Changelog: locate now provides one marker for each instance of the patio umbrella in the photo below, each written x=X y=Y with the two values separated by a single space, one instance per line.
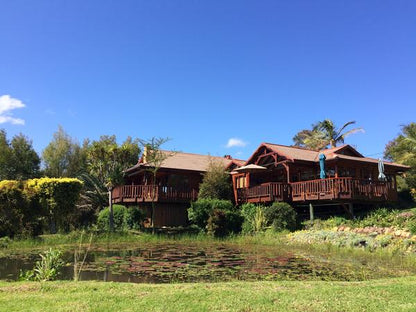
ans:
x=381 y=175
x=322 y=166
x=250 y=168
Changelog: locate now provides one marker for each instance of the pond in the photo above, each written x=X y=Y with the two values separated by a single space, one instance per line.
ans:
x=167 y=263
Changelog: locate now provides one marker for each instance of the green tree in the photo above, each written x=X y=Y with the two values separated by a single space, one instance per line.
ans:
x=216 y=183
x=63 y=157
x=402 y=150
x=107 y=161
x=25 y=160
x=154 y=157
x=324 y=133
x=18 y=159
x=5 y=156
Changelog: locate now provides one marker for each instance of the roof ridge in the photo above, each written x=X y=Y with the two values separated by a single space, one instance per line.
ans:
x=220 y=157
x=293 y=146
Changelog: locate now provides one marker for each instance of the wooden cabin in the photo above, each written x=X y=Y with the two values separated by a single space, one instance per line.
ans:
x=176 y=185
x=292 y=174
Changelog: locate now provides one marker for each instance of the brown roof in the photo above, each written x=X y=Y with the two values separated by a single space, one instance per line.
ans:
x=304 y=154
x=188 y=161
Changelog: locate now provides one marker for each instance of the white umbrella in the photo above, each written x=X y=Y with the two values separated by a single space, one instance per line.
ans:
x=251 y=167
x=381 y=175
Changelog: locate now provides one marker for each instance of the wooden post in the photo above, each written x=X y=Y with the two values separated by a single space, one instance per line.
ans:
x=351 y=210
x=311 y=212
x=110 y=207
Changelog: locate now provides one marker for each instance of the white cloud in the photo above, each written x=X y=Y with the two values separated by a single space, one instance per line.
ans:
x=233 y=142
x=7 y=104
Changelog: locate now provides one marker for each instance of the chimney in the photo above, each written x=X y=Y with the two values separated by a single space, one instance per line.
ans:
x=145 y=151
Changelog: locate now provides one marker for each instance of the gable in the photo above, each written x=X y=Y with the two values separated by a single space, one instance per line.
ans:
x=346 y=150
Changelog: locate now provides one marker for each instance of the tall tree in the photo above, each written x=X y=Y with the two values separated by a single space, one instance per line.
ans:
x=18 y=159
x=324 y=133
x=154 y=157
x=402 y=150
x=63 y=157
x=25 y=160
x=5 y=156
x=107 y=161
x=216 y=183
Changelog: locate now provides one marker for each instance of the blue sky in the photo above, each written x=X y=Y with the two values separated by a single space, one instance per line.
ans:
x=202 y=72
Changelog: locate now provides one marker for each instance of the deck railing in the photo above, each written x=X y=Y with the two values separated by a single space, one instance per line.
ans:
x=272 y=191
x=344 y=188
x=149 y=193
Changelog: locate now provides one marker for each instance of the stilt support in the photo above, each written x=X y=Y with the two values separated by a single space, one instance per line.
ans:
x=311 y=212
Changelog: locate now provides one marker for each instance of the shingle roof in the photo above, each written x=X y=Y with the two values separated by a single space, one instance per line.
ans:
x=188 y=161
x=301 y=153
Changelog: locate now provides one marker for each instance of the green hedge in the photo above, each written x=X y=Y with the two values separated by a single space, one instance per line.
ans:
x=25 y=205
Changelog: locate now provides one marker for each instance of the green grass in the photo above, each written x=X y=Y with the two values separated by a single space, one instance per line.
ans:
x=380 y=295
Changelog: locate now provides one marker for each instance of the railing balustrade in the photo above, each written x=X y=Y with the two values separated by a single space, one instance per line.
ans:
x=148 y=193
x=320 y=189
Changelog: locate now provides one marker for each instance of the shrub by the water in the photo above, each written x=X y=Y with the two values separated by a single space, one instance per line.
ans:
x=280 y=216
x=124 y=218
x=201 y=210
x=254 y=219
x=222 y=223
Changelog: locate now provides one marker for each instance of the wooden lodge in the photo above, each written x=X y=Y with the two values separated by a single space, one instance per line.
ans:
x=176 y=185
x=292 y=174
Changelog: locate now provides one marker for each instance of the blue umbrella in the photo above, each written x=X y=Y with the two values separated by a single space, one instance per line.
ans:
x=381 y=175
x=322 y=166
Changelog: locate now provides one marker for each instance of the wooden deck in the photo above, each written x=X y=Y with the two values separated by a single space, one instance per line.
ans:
x=149 y=193
x=331 y=189
x=268 y=192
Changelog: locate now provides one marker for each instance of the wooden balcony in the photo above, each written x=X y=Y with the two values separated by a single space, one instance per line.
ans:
x=149 y=193
x=267 y=192
x=343 y=189
x=339 y=189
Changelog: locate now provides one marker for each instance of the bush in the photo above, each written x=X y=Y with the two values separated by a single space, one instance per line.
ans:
x=216 y=183
x=222 y=223
x=103 y=220
x=58 y=197
x=280 y=216
x=133 y=218
x=201 y=210
x=124 y=218
x=254 y=219
x=12 y=207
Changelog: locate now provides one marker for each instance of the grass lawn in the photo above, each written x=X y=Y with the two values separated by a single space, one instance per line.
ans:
x=397 y=294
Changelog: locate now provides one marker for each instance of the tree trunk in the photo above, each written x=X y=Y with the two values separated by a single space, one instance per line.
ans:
x=110 y=207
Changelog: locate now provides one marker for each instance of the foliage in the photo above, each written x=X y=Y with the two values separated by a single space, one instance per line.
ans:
x=93 y=198
x=63 y=157
x=12 y=207
x=280 y=216
x=222 y=223
x=153 y=157
x=216 y=182
x=254 y=219
x=324 y=133
x=200 y=210
x=382 y=217
x=58 y=197
x=403 y=150
x=349 y=239
x=124 y=218
x=47 y=268
x=18 y=159
x=107 y=160
x=217 y=223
